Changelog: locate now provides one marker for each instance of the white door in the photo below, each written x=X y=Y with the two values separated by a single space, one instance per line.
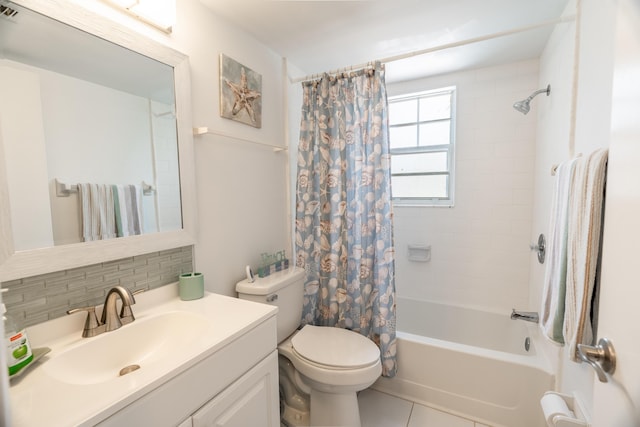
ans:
x=617 y=403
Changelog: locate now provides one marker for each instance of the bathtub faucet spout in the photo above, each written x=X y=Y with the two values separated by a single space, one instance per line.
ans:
x=529 y=316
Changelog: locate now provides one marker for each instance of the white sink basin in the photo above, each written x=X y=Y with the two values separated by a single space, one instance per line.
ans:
x=154 y=342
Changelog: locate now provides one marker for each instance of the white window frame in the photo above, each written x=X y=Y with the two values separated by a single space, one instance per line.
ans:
x=449 y=148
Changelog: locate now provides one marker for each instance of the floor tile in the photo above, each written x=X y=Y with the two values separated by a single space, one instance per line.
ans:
x=383 y=410
x=422 y=416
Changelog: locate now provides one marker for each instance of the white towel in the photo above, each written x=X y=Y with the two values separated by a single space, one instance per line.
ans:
x=98 y=218
x=553 y=297
x=583 y=249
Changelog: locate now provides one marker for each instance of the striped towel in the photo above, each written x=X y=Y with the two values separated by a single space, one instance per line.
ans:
x=128 y=209
x=583 y=248
x=553 y=297
x=98 y=219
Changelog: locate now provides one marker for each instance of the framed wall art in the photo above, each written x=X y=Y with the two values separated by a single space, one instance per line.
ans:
x=240 y=92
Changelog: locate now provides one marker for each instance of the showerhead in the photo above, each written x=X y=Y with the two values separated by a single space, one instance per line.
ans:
x=523 y=106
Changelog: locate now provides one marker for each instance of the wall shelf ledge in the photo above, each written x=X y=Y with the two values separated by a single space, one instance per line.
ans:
x=197 y=131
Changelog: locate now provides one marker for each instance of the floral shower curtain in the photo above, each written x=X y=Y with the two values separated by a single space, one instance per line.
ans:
x=344 y=236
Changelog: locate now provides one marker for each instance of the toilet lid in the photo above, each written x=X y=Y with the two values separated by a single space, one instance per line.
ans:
x=335 y=347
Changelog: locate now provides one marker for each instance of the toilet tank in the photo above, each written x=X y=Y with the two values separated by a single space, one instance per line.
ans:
x=285 y=290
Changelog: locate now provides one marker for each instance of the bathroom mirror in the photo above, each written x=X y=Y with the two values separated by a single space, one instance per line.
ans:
x=88 y=101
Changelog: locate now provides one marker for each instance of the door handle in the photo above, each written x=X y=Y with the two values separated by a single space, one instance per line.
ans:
x=601 y=357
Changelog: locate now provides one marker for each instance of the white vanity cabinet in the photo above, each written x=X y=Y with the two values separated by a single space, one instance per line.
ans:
x=236 y=386
x=210 y=361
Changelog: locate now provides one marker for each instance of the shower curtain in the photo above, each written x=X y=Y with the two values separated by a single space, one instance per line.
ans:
x=344 y=236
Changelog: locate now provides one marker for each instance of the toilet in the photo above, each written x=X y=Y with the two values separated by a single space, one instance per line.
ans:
x=321 y=368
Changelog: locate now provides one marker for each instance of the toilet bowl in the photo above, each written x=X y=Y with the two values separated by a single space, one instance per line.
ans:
x=334 y=364
x=321 y=368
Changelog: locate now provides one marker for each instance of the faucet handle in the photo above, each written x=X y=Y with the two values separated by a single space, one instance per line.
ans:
x=91 y=323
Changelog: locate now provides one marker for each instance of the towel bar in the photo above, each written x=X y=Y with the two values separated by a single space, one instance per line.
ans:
x=65 y=190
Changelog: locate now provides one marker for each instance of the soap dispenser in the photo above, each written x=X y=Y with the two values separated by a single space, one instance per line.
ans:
x=19 y=352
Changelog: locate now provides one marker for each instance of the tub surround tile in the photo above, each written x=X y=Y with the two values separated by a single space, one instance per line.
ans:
x=422 y=416
x=383 y=410
x=493 y=213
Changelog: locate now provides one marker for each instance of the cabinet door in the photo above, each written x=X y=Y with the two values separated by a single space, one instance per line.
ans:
x=252 y=400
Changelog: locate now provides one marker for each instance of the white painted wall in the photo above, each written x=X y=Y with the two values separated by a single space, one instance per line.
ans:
x=480 y=247
x=241 y=188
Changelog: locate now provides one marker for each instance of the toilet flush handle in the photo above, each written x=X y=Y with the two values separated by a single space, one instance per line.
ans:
x=272 y=298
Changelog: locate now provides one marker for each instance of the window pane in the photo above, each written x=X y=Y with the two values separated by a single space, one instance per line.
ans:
x=435 y=107
x=435 y=133
x=419 y=162
x=403 y=112
x=403 y=136
x=426 y=186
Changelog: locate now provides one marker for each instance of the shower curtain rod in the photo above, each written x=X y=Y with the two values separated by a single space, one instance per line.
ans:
x=562 y=19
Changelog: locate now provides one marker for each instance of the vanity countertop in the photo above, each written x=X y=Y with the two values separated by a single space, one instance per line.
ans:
x=45 y=395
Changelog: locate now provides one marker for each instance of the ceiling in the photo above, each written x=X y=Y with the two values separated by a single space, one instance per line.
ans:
x=319 y=36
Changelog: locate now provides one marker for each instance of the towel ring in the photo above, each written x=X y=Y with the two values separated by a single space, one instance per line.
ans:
x=540 y=248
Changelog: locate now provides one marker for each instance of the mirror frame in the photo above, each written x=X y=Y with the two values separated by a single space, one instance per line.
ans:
x=18 y=264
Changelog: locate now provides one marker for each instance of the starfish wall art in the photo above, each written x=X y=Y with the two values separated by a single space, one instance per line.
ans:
x=240 y=92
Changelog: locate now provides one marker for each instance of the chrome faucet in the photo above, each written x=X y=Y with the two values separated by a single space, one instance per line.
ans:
x=110 y=320
x=529 y=316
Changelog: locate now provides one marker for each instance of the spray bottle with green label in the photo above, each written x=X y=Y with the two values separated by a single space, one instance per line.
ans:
x=19 y=352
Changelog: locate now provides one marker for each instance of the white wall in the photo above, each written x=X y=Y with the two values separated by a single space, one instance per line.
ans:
x=241 y=188
x=480 y=247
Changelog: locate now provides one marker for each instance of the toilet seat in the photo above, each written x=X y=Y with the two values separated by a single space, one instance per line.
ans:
x=334 y=348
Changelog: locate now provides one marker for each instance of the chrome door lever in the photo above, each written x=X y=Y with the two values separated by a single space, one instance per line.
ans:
x=601 y=357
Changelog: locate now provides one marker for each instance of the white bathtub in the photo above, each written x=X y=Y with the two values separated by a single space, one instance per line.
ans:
x=469 y=362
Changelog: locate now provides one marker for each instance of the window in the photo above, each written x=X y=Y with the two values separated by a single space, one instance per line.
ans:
x=421 y=132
